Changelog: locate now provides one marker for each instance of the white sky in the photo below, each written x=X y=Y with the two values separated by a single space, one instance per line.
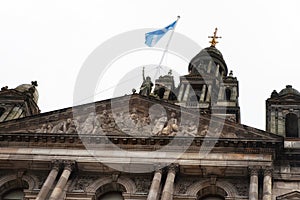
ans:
x=48 y=41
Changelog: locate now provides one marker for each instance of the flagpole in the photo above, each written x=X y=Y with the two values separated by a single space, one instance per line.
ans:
x=167 y=47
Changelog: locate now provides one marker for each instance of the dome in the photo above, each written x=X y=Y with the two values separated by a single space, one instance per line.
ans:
x=204 y=56
x=212 y=51
x=29 y=88
x=289 y=90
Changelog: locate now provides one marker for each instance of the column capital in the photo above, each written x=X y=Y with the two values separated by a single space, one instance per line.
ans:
x=159 y=170
x=253 y=170
x=267 y=171
x=55 y=164
x=69 y=165
x=173 y=168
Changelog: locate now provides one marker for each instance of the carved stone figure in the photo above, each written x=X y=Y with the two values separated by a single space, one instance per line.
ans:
x=134 y=116
x=204 y=131
x=167 y=130
x=159 y=125
x=58 y=128
x=70 y=126
x=146 y=86
x=215 y=133
x=49 y=128
x=173 y=122
x=106 y=120
x=191 y=129
x=171 y=127
x=43 y=129
x=228 y=135
x=88 y=125
x=146 y=120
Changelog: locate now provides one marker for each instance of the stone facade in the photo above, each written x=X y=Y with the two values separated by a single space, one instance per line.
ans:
x=127 y=148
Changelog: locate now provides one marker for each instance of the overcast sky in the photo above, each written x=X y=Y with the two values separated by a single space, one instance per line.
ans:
x=48 y=41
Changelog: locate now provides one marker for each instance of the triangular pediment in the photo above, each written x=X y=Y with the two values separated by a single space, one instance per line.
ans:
x=134 y=115
x=289 y=196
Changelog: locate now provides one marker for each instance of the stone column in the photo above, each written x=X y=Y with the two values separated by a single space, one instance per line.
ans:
x=169 y=185
x=203 y=93
x=267 y=187
x=181 y=92
x=56 y=193
x=154 y=189
x=253 y=189
x=208 y=94
x=186 y=93
x=49 y=181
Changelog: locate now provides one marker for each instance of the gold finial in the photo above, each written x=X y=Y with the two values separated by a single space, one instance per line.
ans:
x=214 y=41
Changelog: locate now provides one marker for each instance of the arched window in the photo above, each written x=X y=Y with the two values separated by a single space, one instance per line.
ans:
x=291 y=125
x=13 y=190
x=227 y=94
x=16 y=194
x=211 y=193
x=110 y=191
x=2 y=110
x=111 y=196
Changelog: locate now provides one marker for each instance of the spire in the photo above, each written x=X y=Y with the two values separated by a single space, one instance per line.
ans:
x=214 y=37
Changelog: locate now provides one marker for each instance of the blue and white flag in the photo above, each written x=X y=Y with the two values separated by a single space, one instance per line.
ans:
x=153 y=37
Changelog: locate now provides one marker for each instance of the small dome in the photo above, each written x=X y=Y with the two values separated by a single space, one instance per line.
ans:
x=207 y=54
x=289 y=90
x=29 y=88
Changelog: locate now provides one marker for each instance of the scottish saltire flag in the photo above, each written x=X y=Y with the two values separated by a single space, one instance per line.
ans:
x=153 y=37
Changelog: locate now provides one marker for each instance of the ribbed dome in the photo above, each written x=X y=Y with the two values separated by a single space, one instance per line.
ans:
x=289 y=90
x=29 y=88
x=206 y=55
x=211 y=51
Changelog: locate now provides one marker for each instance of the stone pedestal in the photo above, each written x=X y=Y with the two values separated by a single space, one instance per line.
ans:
x=253 y=188
x=49 y=182
x=169 y=185
x=154 y=189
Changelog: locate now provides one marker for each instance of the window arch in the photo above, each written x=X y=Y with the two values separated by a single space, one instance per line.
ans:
x=211 y=192
x=13 y=190
x=291 y=125
x=110 y=191
x=228 y=94
x=15 y=194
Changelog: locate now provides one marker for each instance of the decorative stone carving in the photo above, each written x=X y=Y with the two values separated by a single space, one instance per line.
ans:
x=189 y=130
x=159 y=125
x=83 y=182
x=184 y=183
x=216 y=133
x=171 y=127
x=142 y=184
x=89 y=123
x=132 y=123
x=68 y=126
x=43 y=129
x=242 y=185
